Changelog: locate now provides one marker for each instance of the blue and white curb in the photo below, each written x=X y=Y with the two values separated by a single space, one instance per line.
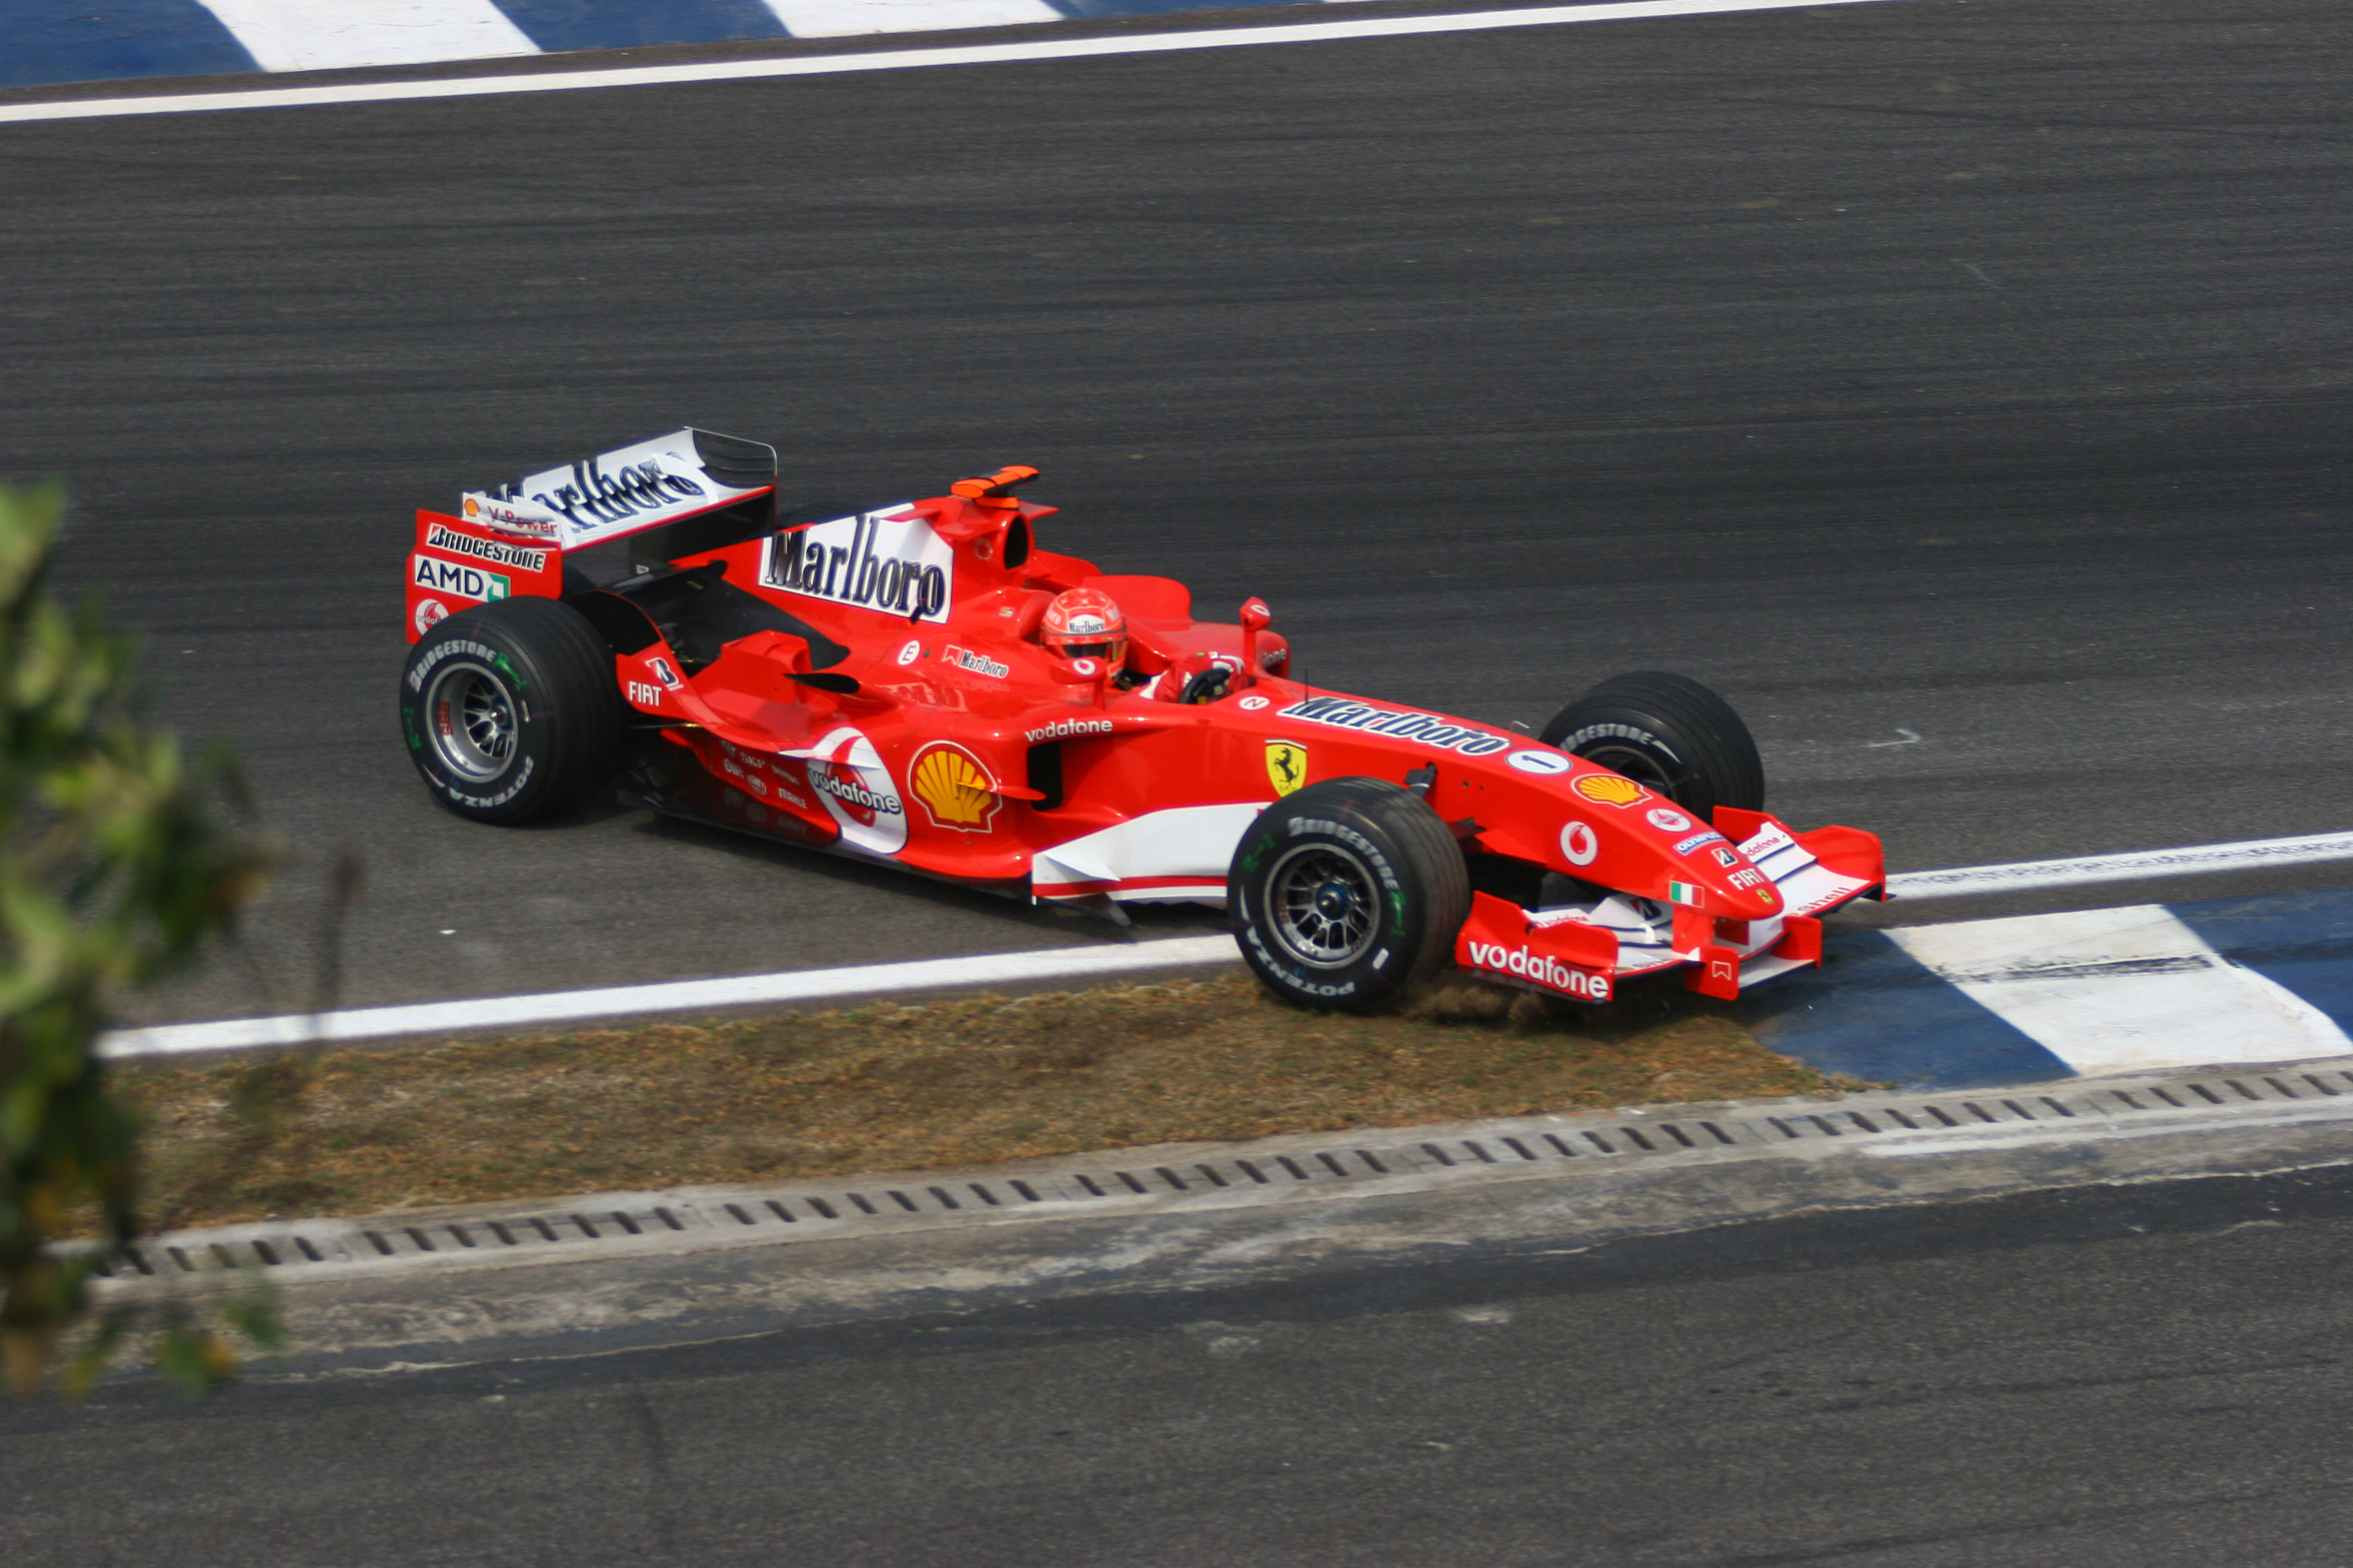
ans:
x=78 y=49
x=2093 y=992
x=53 y=41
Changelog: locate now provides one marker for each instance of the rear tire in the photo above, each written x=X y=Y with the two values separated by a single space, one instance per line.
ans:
x=1669 y=733
x=509 y=710
x=1347 y=893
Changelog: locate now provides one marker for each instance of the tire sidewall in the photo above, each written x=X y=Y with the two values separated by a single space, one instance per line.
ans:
x=1684 y=740
x=1399 y=919
x=516 y=790
x=1675 y=756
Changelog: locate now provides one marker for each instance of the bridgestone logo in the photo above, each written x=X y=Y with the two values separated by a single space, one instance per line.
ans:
x=1349 y=835
x=497 y=554
x=1617 y=732
x=1425 y=728
x=856 y=794
x=448 y=649
x=1538 y=968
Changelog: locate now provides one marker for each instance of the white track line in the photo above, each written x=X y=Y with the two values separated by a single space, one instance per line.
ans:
x=681 y=995
x=893 y=59
x=2025 y=875
x=1059 y=963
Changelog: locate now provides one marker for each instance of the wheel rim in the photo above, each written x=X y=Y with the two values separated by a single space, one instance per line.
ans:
x=1324 y=904
x=1640 y=766
x=470 y=717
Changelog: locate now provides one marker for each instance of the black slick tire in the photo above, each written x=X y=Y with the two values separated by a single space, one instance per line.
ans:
x=1667 y=731
x=1347 y=894
x=509 y=710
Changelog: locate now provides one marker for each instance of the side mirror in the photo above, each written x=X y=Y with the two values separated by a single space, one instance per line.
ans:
x=1256 y=617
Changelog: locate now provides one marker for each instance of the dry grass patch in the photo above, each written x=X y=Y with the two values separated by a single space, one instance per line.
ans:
x=892 y=1087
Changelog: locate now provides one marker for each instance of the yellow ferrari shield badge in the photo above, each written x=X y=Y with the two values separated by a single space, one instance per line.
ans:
x=1286 y=765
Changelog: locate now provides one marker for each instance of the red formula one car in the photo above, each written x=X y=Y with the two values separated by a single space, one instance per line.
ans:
x=922 y=684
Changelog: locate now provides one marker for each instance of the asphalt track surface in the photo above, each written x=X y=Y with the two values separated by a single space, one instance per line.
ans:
x=2132 y=1377
x=1975 y=372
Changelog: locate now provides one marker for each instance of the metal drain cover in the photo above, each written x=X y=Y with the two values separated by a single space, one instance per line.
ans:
x=1271 y=1171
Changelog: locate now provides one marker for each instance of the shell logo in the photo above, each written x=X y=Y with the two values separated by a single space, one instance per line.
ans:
x=956 y=790
x=1609 y=789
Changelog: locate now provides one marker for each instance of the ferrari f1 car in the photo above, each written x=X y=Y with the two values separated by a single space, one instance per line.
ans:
x=923 y=685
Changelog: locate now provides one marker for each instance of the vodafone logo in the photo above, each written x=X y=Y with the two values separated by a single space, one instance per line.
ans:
x=1580 y=844
x=1063 y=729
x=835 y=784
x=1539 y=969
x=858 y=792
x=1086 y=668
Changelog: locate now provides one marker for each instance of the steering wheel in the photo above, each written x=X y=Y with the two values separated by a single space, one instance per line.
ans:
x=1207 y=685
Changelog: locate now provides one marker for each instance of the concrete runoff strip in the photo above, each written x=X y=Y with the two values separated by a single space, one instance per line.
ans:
x=893 y=59
x=424 y=1287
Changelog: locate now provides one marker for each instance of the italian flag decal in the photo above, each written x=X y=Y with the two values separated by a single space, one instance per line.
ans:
x=1685 y=893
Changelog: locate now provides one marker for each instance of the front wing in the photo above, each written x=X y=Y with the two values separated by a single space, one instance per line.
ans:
x=1583 y=951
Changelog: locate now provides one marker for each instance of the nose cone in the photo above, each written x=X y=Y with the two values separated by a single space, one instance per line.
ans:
x=1760 y=900
x=1711 y=873
x=1728 y=894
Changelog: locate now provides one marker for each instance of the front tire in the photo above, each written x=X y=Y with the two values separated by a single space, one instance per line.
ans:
x=1346 y=894
x=509 y=710
x=1668 y=732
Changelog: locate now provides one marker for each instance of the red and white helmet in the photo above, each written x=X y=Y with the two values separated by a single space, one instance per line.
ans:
x=1083 y=623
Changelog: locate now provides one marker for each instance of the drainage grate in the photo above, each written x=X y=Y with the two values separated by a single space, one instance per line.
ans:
x=1271 y=1170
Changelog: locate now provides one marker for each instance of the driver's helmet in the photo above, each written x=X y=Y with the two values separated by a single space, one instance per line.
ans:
x=1083 y=623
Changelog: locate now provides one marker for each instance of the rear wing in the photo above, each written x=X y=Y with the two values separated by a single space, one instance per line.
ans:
x=512 y=542
x=614 y=494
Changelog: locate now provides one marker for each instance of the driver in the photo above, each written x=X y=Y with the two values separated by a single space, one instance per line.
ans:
x=1085 y=622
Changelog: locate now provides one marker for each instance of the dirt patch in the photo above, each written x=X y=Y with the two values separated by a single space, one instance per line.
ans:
x=895 y=1088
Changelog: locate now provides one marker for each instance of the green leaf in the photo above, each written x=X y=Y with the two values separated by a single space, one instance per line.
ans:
x=120 y=859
